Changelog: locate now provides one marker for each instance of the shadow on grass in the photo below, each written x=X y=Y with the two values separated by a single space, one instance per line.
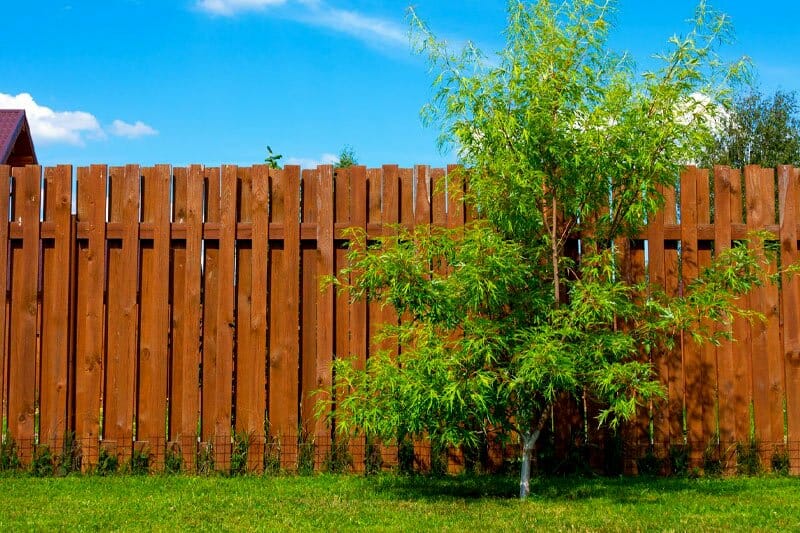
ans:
x=625 y=490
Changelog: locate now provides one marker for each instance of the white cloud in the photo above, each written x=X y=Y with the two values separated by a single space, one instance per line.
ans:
x=310 y=162
x=363 y=27
x=231 y=7
x=48 y=126
x=68 y=127
x=131 y=131
x=373 y=30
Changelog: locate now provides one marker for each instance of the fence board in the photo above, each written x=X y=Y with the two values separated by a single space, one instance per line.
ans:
x=251 y=321
x=422 y=200
x=243 y=379
x=226 y=318
x=90 y=339
x=374 y=311
x=689 y=270
x=675 y=392
x=343 y=308
x=359 y=327
x=122 y=325
x=24 y=310
x=743 y=369
x=759 y=200
x=725 y=359
x=708 y=355
x=186 y=313
x=775 y=384
x=211 y=393
x=455 y=197
x=325 y=297
x=5 y=187
x=788 y=190
x=151 y=415
x=390 y=216
x=56 y=299
x=310 y=287
x=406 y=196
x=657 y=279
x=284 y=358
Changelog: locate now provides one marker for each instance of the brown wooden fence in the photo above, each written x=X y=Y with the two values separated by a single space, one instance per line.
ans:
x=165 y=308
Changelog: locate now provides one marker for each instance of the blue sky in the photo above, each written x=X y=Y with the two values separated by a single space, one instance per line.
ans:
x=216 y=81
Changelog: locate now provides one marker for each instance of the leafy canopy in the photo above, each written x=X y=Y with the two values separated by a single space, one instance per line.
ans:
x=560 y=134
x=759 y=130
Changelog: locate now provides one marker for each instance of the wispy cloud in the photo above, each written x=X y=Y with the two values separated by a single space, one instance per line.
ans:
x=121 y=128
x=319 y=13
x=231 y=7
x=310 y=162
x=68 y=127
x=374 y=30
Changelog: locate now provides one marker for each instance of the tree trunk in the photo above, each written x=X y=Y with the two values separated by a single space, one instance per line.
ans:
x=555 y=255
x=528 y=443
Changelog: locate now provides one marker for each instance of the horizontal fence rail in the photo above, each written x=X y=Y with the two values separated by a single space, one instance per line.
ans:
x=178 y=312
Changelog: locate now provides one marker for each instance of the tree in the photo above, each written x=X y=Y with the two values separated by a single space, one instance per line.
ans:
x=562 y=135
x=759 y=130
x=347 y=158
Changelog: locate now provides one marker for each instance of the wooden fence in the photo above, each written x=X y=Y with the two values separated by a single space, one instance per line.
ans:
x=165 y=308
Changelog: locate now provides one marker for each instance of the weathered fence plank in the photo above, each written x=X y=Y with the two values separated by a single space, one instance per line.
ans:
x=22 y=360
x=151 y=413
x=56 y=342
x=90 y=311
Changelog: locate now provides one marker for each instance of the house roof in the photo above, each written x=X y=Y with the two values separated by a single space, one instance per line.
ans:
x=16 y=144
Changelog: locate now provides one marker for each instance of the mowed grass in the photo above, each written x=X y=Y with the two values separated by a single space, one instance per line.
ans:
x=396 y=503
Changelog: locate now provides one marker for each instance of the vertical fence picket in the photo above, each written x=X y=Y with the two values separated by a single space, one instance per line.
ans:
x=674 y=356
x=342 y=219
x=359 y=331
x=759 y=202
x=226 y=319
x=310 y=287
x=725 y=358
x=788 y=190
x=284 y=325
x=325 y=317
x=151 y=415
x=245 y=416
x=5 y=189
x=22 y=358
x=374 y=189
x=122 y=317
x=775 y=376
x=56 y=312
x=89 y=337
x=390 y=216
x=657 y=275
x=708 y=356
x=693 y=378
x=211 y=358
x=743 y=369
x=184 y=400
x=251 y=312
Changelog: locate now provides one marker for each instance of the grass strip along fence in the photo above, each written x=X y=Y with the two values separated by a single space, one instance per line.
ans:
x=176 y=315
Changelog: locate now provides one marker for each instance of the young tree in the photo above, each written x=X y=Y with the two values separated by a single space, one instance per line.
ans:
x=759 y=130
x=561 y=135
x=347 y=157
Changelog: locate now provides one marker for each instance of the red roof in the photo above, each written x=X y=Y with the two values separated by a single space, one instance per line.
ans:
x=16 y=145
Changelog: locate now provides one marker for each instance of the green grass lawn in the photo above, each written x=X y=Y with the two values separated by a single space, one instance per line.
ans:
x=396 y=503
